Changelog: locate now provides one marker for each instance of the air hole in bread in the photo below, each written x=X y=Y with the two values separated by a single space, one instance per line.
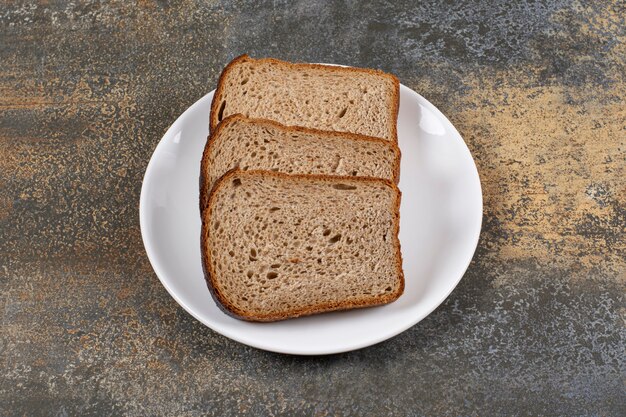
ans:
x=343 y=112
x=236 y=182
x=271 y=275
x=275 y=266
x=388 y=289
x=244 y=81
x=326 y=232
x=273 y=209
x=220 y=113
x=335 y=238
x=344 y=187
x=353 y=173
x=216 y=225
x=231 y=253
x=309 y=248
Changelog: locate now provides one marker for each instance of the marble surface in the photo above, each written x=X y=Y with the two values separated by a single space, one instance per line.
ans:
x=536 y=326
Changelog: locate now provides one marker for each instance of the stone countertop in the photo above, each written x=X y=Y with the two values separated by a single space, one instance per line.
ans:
x=536 y=326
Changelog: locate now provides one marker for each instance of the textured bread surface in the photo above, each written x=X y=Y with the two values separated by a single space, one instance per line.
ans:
x=254 y=144
x=277 y=246
x=356 y=100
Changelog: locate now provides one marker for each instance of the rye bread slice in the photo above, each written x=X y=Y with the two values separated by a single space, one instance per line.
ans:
x=256 y=144
x=343 y=99
x=277 y=246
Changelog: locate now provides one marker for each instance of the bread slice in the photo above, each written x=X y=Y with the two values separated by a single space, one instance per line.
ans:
x=276 y=246
x=355 y=100
x=266 y=145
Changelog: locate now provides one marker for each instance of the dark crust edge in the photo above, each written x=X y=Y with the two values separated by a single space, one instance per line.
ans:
x=395 y=105
x=215 y=136
x=233 y=311
x=213 y=122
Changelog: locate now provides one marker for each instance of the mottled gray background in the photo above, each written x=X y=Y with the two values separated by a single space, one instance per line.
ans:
x=536 y=327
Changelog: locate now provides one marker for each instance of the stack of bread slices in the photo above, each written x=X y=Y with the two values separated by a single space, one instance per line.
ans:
x=298 y=195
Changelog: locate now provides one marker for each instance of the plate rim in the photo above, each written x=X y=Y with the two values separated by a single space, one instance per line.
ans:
x=236 y=336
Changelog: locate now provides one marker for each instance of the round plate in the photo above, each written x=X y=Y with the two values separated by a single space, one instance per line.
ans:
x=440 y=219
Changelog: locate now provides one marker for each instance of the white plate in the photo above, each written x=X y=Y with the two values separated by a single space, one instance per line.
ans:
x=440 y=219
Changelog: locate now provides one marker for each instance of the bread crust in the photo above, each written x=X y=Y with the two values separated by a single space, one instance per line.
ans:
x=215 y=136
x=233 y=311
x=217 y=97
x=213 y=122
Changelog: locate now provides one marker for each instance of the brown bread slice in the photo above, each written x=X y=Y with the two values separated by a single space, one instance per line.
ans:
x=257 y=144
x=355 y=100
x=276 y=246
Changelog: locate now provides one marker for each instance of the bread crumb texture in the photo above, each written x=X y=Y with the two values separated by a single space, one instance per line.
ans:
x=281 y=245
